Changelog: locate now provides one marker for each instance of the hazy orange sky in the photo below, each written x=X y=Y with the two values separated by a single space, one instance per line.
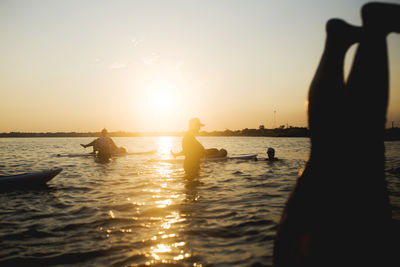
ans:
x=151 y=65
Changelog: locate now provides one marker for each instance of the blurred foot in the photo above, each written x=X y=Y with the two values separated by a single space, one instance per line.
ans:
x=381 y=17
x=341 y=33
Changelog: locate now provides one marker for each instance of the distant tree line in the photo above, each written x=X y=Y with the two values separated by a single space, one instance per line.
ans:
x=392 y=134
x=261 y=131
x=85 y=134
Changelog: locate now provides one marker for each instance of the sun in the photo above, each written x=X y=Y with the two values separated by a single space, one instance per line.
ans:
x=162 y=97
x=164 y=100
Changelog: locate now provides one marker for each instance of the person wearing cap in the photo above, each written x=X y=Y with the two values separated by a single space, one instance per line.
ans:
x=271 y=154
x=193 y=150
x=104 y=146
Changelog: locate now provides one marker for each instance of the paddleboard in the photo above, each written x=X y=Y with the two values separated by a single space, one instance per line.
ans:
x=39 y=177
x=120 y=154
x=180 y=160
x=141 y=153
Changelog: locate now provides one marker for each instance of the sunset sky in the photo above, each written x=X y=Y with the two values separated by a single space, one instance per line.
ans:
x=151 y=65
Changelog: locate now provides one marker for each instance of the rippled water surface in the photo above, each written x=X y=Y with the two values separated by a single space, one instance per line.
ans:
x=134 y=211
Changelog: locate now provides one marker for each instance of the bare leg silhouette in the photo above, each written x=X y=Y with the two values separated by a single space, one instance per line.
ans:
x=326 y=94
x=339 y=212
x=367 y=92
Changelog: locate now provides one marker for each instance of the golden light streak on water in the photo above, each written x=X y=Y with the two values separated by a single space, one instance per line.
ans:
x=165 y=145
x=171 y=219
x=163 y=203
x=180 y=257
x=166 y=248
x=166 y=236
x=162 y=248
x=111 y=213
x=179 y=244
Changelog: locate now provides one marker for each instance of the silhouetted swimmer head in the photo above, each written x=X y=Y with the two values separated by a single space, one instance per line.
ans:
x=223 y=152
x=271 y=154
x=195 y=125
x=104 y=132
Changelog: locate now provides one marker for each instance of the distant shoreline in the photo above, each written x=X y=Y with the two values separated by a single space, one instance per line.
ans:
x=392 y=134
x=278 y=132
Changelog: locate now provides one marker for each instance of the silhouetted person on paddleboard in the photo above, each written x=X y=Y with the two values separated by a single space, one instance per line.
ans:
x=104 y=147
x=193 y=150
x=339 y=212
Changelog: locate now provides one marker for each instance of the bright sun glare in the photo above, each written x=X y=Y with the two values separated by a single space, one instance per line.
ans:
x=162 y=96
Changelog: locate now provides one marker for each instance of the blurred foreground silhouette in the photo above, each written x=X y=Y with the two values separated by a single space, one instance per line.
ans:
x=339 y=212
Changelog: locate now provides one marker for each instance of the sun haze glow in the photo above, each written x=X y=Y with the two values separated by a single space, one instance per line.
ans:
x=162 y=97
x=148 y=66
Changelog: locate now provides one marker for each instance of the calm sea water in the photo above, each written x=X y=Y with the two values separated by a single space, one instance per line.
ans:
x=132 y=211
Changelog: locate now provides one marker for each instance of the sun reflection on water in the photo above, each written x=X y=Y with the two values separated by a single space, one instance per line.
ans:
x=171 y=219
x=161 y=248
x=160 y=209
x=164 y=144
x=163 y=203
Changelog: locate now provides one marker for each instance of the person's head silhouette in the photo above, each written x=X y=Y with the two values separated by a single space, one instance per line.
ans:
x=195 y=125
